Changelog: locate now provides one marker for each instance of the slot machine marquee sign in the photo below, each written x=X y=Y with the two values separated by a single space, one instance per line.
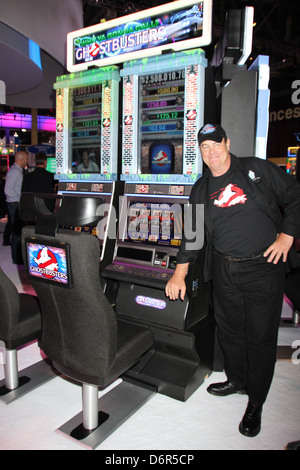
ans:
x=176 y=26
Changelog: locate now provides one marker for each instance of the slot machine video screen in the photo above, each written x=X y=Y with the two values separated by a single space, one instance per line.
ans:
x=85 y=132
x=154 y=224
x=161 y=117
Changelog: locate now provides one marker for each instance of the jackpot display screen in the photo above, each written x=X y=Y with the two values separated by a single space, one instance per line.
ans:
x=85 y=128
x=161 y=117
x=151 y=223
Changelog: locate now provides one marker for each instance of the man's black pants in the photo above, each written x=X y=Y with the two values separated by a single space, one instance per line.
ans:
x=17 y=225
x=248 y=298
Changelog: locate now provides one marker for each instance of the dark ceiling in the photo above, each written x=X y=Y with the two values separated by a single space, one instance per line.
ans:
x=276 y=34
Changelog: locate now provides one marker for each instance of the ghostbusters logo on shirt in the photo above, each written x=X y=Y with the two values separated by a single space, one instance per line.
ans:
x=229 y=196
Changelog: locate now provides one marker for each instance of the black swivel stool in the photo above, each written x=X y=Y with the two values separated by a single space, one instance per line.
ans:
x=80 y=332
x=20 y=323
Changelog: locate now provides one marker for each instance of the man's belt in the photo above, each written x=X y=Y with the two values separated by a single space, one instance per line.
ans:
x=249 y=258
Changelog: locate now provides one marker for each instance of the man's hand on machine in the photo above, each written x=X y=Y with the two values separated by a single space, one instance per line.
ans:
x=176 y=287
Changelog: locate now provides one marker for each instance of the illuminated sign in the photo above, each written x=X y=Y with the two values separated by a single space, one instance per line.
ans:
x=23 y=121
x=292 y=151
x=150 y=302
x=179 y=25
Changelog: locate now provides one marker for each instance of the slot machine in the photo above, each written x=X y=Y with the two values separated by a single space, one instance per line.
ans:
x=150 y=231
x=163 y=109
x=87 y=143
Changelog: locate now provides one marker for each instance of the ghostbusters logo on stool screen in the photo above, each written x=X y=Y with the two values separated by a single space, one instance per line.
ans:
x=48 y=263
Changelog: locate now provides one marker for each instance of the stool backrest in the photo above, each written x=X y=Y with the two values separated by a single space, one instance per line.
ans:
x=9 y=306
x=79 y=327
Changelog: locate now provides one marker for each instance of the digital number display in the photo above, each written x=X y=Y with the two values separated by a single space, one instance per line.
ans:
x=163 y=116
x=85 y=124
x=163 y=104
x=162 y=77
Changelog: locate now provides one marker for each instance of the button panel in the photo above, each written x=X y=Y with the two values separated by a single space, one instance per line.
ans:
x=140 y=271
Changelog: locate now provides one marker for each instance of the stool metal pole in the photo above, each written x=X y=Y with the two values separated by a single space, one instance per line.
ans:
x=11 y=369
x=90 y=406
x=296 y=317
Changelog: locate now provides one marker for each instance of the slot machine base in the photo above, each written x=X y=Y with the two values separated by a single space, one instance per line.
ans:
x=179 y=361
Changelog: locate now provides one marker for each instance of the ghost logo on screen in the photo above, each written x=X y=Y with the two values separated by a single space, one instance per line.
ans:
x=47 y=261
x=161 y=158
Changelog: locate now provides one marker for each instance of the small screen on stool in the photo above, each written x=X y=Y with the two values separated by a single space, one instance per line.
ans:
x=48 y=263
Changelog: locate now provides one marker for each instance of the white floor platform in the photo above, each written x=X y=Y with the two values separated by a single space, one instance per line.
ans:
x=203 y=422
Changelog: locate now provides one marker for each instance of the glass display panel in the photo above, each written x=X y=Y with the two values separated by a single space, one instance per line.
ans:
x=161 y=117
x=140 y=255
x=85 y=125
x=154 y=224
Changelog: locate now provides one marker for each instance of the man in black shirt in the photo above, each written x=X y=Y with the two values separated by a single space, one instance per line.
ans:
x=40 y=180
x=251 y=216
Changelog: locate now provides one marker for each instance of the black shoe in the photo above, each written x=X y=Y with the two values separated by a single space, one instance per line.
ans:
x=6 y=243
x=223 y=389
x=251 y=423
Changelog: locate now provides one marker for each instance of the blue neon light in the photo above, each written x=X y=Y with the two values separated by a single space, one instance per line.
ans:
x=35 y=53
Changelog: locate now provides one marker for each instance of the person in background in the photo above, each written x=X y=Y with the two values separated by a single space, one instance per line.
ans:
x=3 y=205
x=12 y=190
x=40 y=180
x=3 y=214
x=251 y=216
